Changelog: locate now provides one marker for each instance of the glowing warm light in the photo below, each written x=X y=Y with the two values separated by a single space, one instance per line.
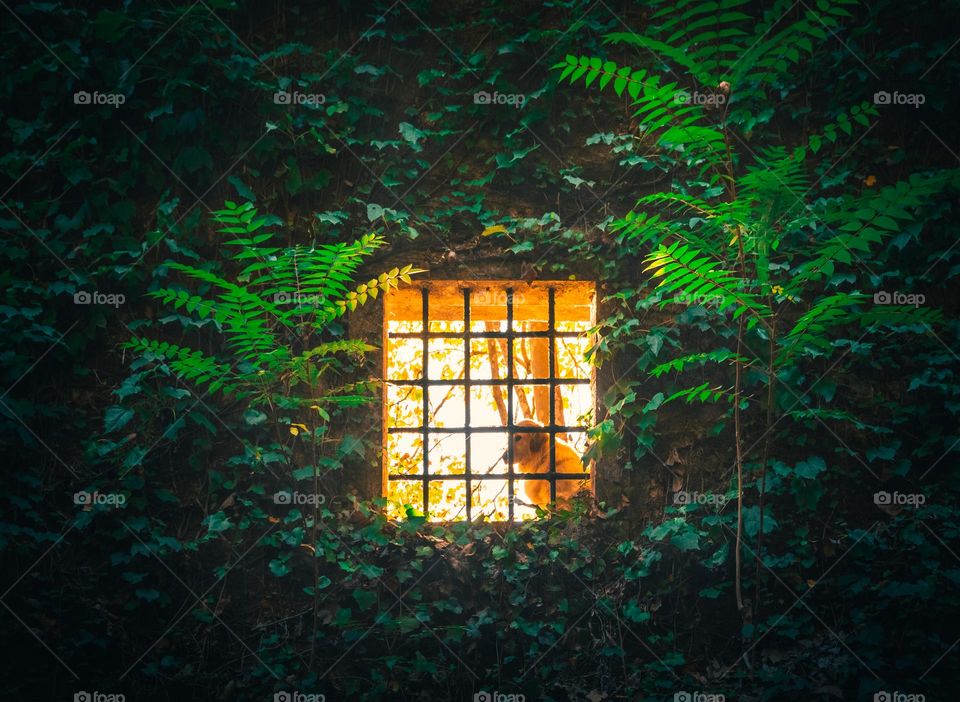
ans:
x=448 y=404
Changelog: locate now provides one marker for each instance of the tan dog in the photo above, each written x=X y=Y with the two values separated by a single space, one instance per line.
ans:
x=531 y=454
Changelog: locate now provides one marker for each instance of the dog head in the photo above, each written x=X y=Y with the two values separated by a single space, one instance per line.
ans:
x=529 y=449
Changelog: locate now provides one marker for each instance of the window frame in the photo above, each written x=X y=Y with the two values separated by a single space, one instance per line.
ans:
x=509 y=382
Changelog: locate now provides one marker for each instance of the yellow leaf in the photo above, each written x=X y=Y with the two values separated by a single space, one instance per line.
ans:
x=870 y=181
x=495 y=229
x=295 y=429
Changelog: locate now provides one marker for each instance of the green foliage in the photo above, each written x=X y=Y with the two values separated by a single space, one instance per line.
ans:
x=270 y=321
x=753 y=246
x=807 y=197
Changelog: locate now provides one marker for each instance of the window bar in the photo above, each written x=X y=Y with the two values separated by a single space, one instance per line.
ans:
x=551 y=324
x=426 y=403
x=479 y=476
x=466 y=397
x=479 y=382
x=521 y=334
x=485 y=430
x=510 y=487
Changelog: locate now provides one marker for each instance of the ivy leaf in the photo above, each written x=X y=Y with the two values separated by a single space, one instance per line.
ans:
x=333 y=216
x=350 y=445
x=635 y=613
x=116 y=418
x=810 y=468
x=374 y=211
x=411 y=135
x=687 y=540
x=218 y=522
x=304 y=473
x=242 y=189
x=254 y=417
x=507 y=160
x=364 y=598
x=193 y=159
x=751 y=521
x=279 y=567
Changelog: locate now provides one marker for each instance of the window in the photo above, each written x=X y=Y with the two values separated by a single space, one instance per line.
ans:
x=488 y=397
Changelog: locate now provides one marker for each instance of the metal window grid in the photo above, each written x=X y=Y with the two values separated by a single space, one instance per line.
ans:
x=552 y=429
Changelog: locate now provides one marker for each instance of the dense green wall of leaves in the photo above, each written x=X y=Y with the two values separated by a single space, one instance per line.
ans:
x=199 y=586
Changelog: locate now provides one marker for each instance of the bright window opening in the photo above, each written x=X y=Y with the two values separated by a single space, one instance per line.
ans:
x=488 y=398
